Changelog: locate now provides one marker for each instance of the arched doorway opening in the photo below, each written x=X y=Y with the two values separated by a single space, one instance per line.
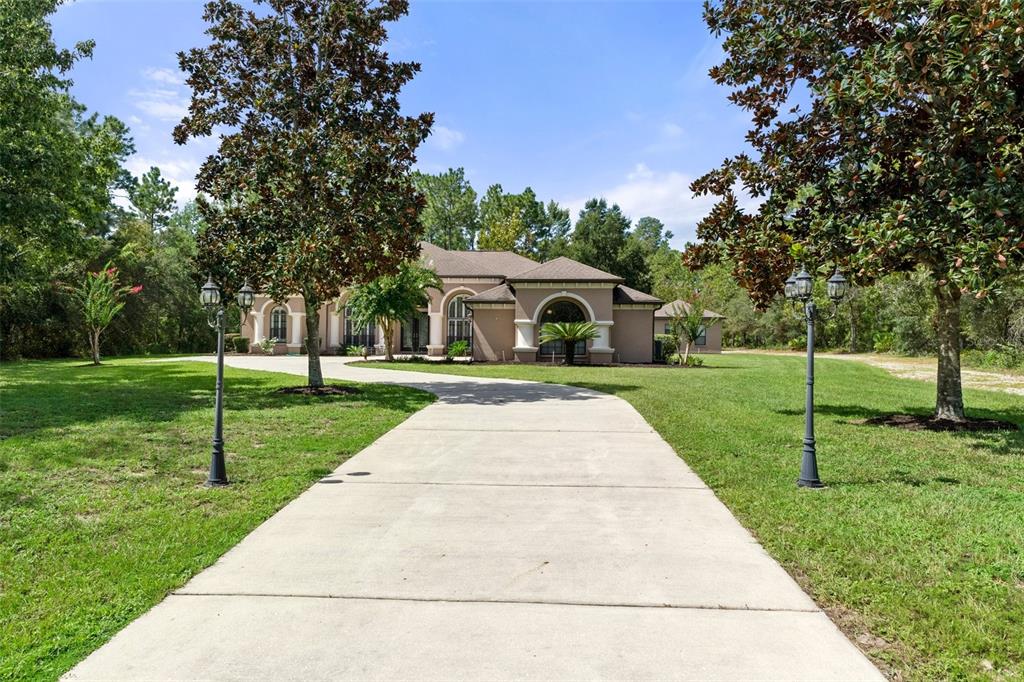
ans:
x=562 y=310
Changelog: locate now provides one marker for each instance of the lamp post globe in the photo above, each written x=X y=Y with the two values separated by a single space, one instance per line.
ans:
x=837 y=287
x=790 y=288
x=246 y=297
x=803 y=285
x=209 y=295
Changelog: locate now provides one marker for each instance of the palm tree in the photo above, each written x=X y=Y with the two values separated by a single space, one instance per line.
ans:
x=569 y=333
x=389 y=299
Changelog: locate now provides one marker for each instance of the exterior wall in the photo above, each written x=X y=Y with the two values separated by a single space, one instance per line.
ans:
x=713 y=336
x=596 y=302
x=494 y=334
x=633 y=335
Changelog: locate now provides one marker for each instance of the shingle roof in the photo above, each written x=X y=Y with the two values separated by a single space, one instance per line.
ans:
x=473 y=263
x=500 y=294
x=622 y=294
x=564 y=269
x=504 y=263
x=667 y=309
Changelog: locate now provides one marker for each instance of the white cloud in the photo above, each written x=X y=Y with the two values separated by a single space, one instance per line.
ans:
x=672 y=131
x=663 y=195
x=167 y=76
x=445 y=139
x=166 y=99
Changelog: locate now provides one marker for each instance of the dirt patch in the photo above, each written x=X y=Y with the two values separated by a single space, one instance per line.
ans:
x=319 y=391
x=913 y=422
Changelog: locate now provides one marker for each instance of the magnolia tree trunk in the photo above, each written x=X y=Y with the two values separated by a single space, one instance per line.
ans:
x=949 y=399
x=94 y=343
x=388 y=329
x=316 y=375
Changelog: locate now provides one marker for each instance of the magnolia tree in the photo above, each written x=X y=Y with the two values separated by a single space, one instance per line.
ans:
x=310 y=190
x=389 y=299
x=887 y=137
x=101 y=299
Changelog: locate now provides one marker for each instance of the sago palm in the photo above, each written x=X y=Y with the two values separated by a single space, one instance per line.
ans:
x=569 y=333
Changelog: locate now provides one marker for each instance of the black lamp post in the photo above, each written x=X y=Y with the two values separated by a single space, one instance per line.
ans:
x=798 y=289
x=215 y=317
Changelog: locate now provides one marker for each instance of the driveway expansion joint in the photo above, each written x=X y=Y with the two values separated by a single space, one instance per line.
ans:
x=459 y=600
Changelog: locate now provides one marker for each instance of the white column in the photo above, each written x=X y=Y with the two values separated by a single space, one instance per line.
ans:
x=604 y=337
x=296 y=335
x=257 y=327
x=436 y=338
x=334 y=333
x=524 y=335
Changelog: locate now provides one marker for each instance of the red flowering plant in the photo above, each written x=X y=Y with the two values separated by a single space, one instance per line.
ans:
x=101 y=298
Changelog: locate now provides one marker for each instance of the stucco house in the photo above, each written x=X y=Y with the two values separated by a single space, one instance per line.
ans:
x=496 y=301
x=708 y=342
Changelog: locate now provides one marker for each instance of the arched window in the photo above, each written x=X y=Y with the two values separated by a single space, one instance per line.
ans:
x=561 y=311
x=279 y=323
x=358 y=336
x=460 y=324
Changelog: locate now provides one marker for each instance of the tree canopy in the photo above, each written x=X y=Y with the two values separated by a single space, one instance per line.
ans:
x=451 y=217
x=310 y=190
x=886 y=137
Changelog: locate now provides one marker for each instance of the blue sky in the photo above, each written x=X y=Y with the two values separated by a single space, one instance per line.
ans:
x=575 y=99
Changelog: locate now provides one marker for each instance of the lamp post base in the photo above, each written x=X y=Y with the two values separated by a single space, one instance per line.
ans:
x=215 y=484
x=801 y=483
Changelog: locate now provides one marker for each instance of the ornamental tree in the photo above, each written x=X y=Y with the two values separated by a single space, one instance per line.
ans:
x=887 y=136
x=389 y=299
x=101 y=299
x=310 y=190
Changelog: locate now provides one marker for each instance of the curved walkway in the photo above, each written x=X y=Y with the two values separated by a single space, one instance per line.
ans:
x=511 y=530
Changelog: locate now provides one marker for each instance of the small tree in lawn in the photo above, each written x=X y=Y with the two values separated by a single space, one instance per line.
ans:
x=101 y=298
x=389 y=299
x=311 y=189
x=687 y=324
x=569 y=333
x=887 y=136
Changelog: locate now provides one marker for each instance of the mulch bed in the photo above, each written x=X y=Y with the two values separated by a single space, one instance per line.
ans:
x=913 y=422
x=323 y=390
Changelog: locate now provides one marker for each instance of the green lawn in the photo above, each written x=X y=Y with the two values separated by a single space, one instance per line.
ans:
x=102 y=508
x=916 y=548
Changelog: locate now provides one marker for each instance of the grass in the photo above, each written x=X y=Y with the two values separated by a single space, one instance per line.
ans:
x=102 y=508
x=916 y=548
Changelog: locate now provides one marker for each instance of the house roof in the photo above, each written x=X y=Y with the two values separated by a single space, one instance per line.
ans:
x=502 y=293
x=473 y=263
x=564 y=269
x=669 y=308
x=622 y=294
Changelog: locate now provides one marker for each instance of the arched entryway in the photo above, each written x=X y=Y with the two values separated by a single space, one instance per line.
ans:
x=561 y=310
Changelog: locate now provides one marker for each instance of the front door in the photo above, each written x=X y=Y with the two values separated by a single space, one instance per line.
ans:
x=415 y=333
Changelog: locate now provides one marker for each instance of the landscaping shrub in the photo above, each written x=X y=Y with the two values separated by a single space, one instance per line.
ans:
x=241 y=344
x=459 y=349
x=355 y=351
x=267 y=346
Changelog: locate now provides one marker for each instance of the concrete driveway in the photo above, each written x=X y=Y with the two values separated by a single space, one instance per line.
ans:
x=511 y=530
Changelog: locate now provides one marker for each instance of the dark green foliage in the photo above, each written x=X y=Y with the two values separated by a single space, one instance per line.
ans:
x=241 y=344
x=451 y=217
x=601 y=239
x=58 y=170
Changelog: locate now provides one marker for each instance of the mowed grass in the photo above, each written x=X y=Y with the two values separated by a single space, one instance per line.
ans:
x=102 y=507
x=916 y=548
